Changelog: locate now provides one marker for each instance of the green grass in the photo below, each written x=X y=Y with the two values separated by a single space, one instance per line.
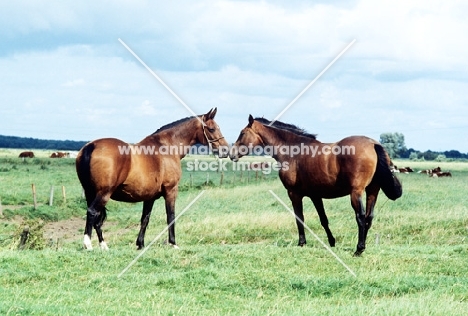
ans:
x=239 y=256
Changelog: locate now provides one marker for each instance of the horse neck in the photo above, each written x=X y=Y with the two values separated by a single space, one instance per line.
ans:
x=182 y=135
x=276 y=137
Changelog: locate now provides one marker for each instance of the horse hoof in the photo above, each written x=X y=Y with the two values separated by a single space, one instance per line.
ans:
x=87 y=243
x=104 y=245
x=174 y=246
x=358 y=253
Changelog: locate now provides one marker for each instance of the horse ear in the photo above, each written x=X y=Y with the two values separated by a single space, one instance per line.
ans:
x=208 y=115
x=251 y=119
x=213 y=113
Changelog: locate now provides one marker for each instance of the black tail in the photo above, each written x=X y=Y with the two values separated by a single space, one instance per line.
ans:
x=83 y=169
x=389 y=183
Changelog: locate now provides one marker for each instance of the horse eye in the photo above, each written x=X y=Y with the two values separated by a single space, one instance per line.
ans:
x=211 y=130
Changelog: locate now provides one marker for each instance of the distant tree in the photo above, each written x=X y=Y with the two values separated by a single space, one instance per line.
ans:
x=394 y=144
x=413 y=156
x=430 y=155
x=441 y=158
x=453 y=154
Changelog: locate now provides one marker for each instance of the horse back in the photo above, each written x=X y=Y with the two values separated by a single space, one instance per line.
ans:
x=335 y=170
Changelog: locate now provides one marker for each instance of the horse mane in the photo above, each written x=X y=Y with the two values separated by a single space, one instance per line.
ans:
x=173 y=124
x=288 y=127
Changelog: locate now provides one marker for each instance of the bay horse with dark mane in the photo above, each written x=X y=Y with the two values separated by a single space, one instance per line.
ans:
x=109 y=168
x=352 y=166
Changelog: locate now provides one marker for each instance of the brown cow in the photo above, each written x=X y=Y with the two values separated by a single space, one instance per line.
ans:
x=26 y=154
x=59 y=154
x=441 y=174
x=430 y=171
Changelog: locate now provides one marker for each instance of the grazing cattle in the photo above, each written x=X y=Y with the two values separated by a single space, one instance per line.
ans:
x=430 y=171
x=395 y=169
x=59 y=154
x=441 y=174
x=26 y=154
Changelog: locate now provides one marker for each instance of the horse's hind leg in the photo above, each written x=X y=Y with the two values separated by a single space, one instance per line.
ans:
x=95 y=216
x=318 y=203
x=170 y=199
x=296 y=201
x=145 y=217
x=372 y=192
x=356 y=202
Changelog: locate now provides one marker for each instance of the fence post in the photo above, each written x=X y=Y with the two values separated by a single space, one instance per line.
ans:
x=1 y=209
x=207 y=178
x=191 y=180
x=221 y=179
x=64 y=194
x=33 y=186
x=24 y=237
x=51 y=196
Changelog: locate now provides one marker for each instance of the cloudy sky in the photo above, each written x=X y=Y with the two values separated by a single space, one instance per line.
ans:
x=65 y=75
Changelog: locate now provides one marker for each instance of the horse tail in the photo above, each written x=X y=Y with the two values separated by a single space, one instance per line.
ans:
x=389 y=183
x=83 y=169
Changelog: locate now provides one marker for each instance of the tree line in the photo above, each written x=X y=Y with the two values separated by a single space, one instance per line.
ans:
x=34 y=143
x=394 y=144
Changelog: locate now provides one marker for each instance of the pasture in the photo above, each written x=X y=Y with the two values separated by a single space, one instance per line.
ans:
x=238 y=252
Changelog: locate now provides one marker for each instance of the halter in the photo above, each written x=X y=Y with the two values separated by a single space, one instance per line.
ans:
x=210 y=141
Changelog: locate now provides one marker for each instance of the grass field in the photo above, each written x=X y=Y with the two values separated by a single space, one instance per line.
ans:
x=238 y=250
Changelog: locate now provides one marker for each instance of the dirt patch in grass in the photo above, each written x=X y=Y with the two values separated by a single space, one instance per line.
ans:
x=66 y=230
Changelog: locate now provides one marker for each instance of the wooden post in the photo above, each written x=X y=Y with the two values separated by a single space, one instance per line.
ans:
x=1 y=209
x=207 y=178
x=221 y=179
x=256 y=175
x=24 y=237
x=64 y=194
x=191 y=181
x=51 y=196
x=241 y=174
x=34 y=195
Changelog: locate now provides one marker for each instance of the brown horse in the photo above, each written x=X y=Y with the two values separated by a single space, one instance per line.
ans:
x=109 y=168
x=352 y=166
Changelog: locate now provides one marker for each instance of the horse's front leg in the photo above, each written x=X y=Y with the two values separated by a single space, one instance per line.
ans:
x=145 y=217
x=356 y=202
x=299 y=214
x=170 y=199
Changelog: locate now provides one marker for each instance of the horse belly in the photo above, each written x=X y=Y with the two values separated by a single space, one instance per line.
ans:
x=131 y=192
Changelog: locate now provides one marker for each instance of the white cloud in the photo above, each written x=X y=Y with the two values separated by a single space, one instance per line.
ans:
x=74 y=83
